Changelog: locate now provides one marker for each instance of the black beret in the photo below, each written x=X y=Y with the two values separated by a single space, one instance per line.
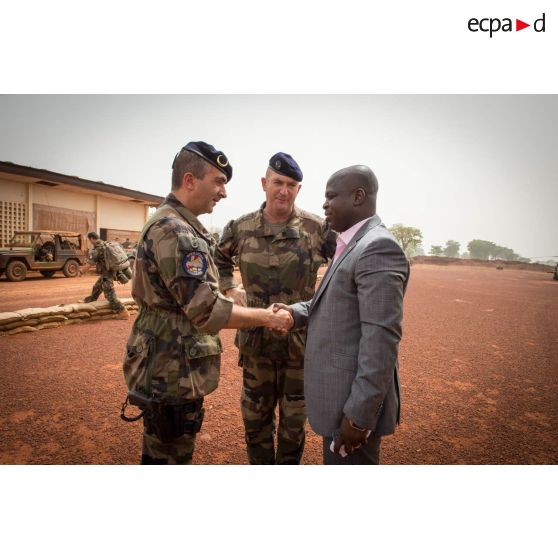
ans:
x=283 y=163
x=207 y=152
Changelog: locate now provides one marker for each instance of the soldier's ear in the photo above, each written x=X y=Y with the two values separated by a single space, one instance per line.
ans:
x=188 y=181
x=264 y=183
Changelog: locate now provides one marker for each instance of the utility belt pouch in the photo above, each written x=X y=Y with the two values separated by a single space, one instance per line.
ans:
x=124 y=275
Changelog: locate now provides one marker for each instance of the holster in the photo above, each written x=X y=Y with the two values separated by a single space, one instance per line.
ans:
x=168 y=419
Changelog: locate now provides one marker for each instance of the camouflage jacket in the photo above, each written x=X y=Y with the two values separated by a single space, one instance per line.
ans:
x=281 y=268
x=173 y=349
x=98 y=256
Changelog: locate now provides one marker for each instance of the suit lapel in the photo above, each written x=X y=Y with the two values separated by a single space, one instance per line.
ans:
x=372 y=223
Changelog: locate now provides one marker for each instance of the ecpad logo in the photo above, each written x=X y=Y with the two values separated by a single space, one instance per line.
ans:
x=493 y=25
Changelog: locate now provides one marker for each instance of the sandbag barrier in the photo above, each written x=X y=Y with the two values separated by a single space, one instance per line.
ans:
x=34 y=319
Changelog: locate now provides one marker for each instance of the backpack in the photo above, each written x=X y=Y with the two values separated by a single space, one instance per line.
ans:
x=116 y=258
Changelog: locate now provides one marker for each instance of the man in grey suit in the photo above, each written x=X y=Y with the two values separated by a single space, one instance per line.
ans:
x=351 y=380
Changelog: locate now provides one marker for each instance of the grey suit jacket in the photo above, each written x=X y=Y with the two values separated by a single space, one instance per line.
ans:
x=354 y=328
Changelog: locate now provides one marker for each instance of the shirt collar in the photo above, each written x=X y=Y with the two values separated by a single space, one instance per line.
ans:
x=347 y=236
x=188 y=215
x=292 y=223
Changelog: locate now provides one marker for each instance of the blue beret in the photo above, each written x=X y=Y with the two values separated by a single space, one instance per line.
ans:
x=207 y=152
x=283 y=163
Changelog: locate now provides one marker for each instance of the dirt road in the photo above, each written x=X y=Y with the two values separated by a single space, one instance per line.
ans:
x=36 y=291
x=479 y=365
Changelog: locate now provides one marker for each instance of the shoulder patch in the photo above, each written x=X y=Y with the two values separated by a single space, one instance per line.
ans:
x=194 y=263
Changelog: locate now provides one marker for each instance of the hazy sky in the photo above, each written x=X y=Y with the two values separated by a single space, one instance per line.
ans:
x=455 y=166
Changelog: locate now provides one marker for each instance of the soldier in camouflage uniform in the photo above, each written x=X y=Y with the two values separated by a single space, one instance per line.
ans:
x=105 y=283
x=279 y=250
x=173 y=353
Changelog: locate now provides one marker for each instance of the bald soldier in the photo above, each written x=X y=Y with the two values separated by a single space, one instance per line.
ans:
x=173 y=353
x=279 y=249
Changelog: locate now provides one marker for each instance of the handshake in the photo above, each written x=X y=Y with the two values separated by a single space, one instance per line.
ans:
x=278 y=317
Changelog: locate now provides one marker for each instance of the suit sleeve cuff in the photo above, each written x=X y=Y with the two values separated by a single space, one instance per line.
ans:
x=363 y=417
x=300 y=315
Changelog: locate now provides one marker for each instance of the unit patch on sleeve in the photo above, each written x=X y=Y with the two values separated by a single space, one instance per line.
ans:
x=194 y=264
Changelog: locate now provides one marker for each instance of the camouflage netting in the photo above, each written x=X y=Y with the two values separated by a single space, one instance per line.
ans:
x=33 y=319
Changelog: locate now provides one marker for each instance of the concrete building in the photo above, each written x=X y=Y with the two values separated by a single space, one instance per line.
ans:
x=33 y=199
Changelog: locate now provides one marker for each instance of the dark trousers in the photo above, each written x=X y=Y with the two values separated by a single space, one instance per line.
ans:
x=369 y=454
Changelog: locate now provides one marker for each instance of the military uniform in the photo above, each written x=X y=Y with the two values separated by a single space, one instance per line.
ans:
x=173 y=353
x=277 y=264
x=105 y=283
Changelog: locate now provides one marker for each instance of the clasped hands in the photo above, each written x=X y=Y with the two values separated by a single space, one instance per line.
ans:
x=281 y=318
x=278 y=316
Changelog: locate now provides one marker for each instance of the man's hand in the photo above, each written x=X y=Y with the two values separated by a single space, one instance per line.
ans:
x=279 y=319
x=277 y=306
x=238 y=296
x=351 y=438
x=280 y=306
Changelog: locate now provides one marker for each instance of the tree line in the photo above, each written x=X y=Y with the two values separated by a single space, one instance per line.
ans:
x=410 y=239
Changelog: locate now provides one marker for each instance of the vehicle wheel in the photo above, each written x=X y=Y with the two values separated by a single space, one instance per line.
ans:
x=48 y=273
x=71 y=268
x=16 y=271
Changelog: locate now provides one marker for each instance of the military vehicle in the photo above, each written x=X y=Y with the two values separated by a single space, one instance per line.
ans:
x=44 y=251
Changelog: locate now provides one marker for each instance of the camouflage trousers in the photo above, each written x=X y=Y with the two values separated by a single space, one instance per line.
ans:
x=269 y=383
x=176 y=452
x=105 y=285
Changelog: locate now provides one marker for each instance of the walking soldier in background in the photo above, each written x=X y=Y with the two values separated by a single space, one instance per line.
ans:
x=110 y=268
x=279 y=250
x=173 y=353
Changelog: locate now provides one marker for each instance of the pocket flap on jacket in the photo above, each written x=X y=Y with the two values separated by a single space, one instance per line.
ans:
x=202 y=345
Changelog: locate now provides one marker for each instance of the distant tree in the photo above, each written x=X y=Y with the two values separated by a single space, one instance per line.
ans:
x=436 y=250
x=481 y=249
x=524 y=260
x=408 y=237
x=486 y=250
x=503 y=253
x=452 y=249
x=465 y=255
x=419 y=250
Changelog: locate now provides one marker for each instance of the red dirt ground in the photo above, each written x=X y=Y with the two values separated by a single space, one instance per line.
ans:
x=41 y=292
x=479 y=365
